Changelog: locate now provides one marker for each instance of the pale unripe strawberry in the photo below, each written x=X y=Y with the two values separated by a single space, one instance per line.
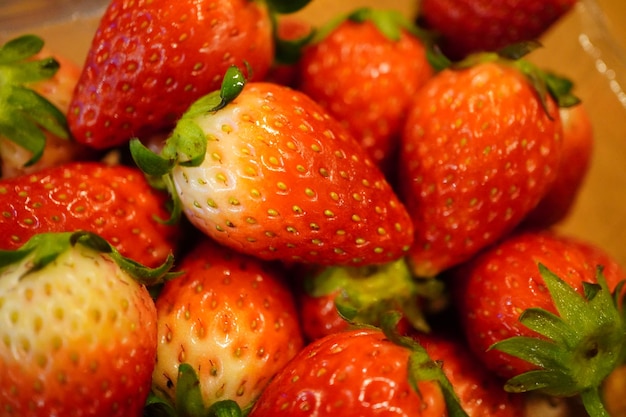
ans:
x=78 y=331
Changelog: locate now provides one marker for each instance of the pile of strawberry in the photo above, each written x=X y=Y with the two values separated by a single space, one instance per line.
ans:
x=227 y=211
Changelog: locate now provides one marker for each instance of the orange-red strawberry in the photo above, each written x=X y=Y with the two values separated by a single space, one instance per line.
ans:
x=229 y=317
x=536 y=309
x=35 y=90
x=353 y=373
x=150 y=60
x=116 y=202
x=364 y=71
x=467 y=26
x=479 y=150
x=79 y=329
x=265 y=170
x=578 y=144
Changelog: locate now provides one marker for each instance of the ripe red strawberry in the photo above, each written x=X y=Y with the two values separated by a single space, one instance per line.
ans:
x=352 y=373
x=578 y=144
x=150 y=60
x=467 y=26
x=116 y=202
x=479 y=150
x=480 y=392
x=263 y=169
x=364 y=71
x=535 y=309
x=232 y=319
x=34 y=95
x=79 y=331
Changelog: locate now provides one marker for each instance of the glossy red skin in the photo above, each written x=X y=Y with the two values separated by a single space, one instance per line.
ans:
x=578 y=145
x=480 y=391
x=366 y=81
x=116 y=202
x=232 y=318
x=356 y=373
x=487 y=25
x=149 y=61
x=493 y=289
x=478 y=153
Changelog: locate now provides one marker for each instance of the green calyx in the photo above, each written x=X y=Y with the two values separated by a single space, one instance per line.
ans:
x=366 y=293
x=390 y=23
x=186 y=146
x=421 y=367
x=25 y=114
x=44 y=248
x=577 y=348
x=188 y=401
x=543 y=82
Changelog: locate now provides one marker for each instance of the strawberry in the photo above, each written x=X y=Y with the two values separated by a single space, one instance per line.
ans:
x=480 y=148
x=149 y=60
x=79 y=328
x=578 y=144
x=479 y=391
x=535 y=308
x=263 y=169
x=115 y=202
x=231 y=318
x=365 y=70
x=35 y=89
x=354 y=373
x=467 y=26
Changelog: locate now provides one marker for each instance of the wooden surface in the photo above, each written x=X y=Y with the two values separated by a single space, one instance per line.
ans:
x=600 y=213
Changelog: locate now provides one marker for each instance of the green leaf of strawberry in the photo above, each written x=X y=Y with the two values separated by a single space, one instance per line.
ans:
x=579 y=347
x=421 y=366
x=25 y=113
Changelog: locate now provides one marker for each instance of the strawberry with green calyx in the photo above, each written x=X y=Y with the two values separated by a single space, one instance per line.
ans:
x=364 y=294
x=571 y=332
x=78 y=322
x=26 y=114
x=480 y=148
x=364 y=68
x=583 y=344
x=360 y=372
x=263 y=169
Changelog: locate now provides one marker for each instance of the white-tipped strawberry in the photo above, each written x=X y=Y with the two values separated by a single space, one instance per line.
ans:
x=263 y=169
x=78 y=330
